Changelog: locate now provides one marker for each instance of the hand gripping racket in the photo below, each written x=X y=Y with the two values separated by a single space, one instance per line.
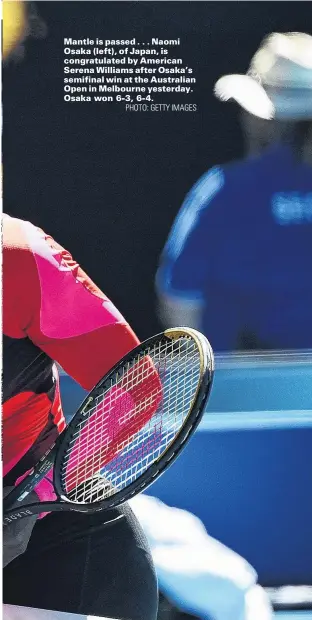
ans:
x=129 y=429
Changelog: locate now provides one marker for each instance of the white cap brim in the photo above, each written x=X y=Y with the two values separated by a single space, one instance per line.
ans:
x=283 y=104
x=248 y=93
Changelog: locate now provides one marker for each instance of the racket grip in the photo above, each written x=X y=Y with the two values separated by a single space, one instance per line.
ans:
x=29 y=483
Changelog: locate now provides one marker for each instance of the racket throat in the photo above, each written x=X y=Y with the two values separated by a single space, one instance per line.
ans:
x=20 y=492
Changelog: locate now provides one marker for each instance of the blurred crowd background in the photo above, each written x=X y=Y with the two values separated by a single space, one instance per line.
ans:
x=109 y=184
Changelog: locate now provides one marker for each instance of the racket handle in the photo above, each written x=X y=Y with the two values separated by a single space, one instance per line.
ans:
x=27 y=485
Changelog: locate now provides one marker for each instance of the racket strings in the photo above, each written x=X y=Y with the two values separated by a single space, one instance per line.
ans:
x=147 y=446
x=99 y=461
x=138 y=459
x=100 y=425
x=179 y=401
x=104 y=425
x=171 y=419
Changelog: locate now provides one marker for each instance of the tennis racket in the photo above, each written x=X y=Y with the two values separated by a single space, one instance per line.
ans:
x=129 y=429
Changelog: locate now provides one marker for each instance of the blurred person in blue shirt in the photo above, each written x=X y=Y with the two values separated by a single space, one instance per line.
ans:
x=238 y=260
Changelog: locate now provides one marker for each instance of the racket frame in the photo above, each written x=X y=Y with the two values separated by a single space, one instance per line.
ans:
x=166 y=459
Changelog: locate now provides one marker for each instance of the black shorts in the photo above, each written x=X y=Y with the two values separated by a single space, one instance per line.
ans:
x=77 y=564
